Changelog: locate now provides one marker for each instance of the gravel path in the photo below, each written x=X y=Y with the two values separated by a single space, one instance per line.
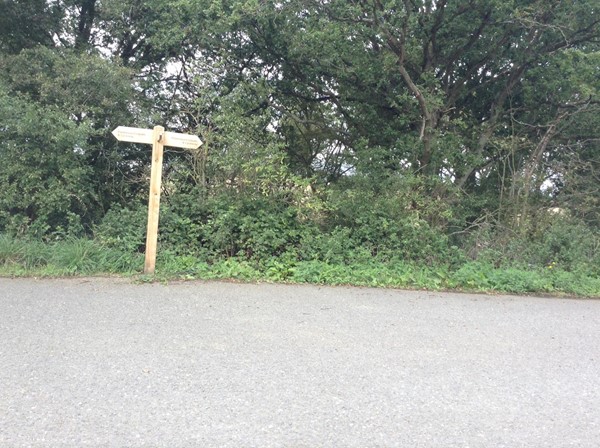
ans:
x=104 y=362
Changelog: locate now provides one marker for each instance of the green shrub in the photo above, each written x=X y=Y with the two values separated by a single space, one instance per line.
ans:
x=123 y=229
x=254 y=228
x=395 y=220
x=566 y=243
x=554 y=241
x=337 y=246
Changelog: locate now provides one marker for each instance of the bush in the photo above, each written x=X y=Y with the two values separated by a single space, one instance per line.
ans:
x=566 y=243
x=396 y=220
x=123 y=229
x=555 y=241
x=254 y=228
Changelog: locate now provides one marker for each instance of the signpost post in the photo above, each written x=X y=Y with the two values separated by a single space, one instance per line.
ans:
x=158 y=138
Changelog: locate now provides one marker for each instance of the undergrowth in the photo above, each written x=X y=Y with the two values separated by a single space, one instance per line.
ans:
x=87 y=257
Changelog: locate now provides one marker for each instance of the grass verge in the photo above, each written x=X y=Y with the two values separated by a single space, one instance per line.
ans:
x=86 y=257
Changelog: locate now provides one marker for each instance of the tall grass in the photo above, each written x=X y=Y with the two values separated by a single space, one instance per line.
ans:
x=68 y=257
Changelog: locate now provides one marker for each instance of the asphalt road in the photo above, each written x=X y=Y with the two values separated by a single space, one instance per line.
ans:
x=103 y=362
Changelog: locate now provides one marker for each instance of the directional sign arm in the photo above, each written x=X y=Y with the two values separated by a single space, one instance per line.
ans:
x=134 y=135
x=181 y=140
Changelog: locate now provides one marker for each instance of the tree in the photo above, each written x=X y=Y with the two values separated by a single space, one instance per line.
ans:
x=28 y=23
x=58 y=109
x=47 y=186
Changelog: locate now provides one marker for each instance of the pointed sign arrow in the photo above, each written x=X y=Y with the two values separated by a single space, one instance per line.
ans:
x=134 y=135
x=181 y=140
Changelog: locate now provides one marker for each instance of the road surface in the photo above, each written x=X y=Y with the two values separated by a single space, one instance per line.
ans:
x=109 y=363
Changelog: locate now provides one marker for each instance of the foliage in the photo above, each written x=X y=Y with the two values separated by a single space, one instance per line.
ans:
x=59 y=171
x=426 y=144
x=27 y=23
x=123 y=229
x=394 y=220
x=45 y=181
x=552 y=242
x=86 y=257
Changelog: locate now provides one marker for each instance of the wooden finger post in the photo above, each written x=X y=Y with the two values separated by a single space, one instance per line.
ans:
x=159 y=139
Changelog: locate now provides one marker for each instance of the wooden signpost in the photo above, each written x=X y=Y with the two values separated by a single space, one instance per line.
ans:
x=158 y=138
